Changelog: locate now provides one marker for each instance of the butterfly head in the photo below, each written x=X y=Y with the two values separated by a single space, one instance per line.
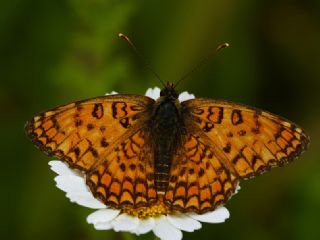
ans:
x=169 y=91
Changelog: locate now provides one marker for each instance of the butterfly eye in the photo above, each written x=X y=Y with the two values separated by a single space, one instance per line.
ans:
x=162 y=93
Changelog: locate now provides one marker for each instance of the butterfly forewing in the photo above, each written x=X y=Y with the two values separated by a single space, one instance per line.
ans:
x=82 y=132
x=250 y=140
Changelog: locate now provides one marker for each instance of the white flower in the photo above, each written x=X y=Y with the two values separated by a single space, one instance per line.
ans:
x=155 y=94
x=166 y=227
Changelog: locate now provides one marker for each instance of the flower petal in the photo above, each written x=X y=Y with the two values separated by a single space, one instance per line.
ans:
x=61 y=168
x=153 y=93
x=237 y=189
x=74 y=185
x=217 y=216
x=184 y=96
x=102 y=216
x=85 y=199
x=145 y=225
x=103 y=226
x=69 y=183
x=125 y=222
x=165 y=230
x=112 y=93
x=184 y=222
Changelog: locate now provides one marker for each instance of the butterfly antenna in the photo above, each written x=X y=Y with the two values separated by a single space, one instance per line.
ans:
x=202 y=62
x=146 y=63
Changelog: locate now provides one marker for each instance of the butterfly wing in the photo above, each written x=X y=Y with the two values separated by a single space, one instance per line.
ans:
x=102 y=137
x=248 y=140
x=199 y=180
x=226 y=142
x=80 y=133
x=125 y=177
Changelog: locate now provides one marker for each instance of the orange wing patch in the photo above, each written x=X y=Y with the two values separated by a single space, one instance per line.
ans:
x=82 y=132
x=199 y=182
x=251 y=140
x=125 y=177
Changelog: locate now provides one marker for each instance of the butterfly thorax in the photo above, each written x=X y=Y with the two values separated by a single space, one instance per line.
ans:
x=167 y=126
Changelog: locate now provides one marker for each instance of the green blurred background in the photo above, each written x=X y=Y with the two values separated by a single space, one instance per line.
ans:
x=53 y=52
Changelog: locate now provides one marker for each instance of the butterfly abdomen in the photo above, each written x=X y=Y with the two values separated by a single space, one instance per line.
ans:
x=165 y=130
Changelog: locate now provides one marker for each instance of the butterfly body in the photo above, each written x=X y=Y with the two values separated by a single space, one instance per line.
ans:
x=167 y=128
x=190 y=156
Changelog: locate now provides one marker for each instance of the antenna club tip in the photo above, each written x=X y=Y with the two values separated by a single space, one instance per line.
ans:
x=222 y=46
x=121 y=35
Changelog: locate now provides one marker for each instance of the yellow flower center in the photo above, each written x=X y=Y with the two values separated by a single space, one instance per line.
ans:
x=155 y=210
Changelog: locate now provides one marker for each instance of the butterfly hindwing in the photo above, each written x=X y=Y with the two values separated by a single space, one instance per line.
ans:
x=199 y=181
x=251 y=140
x=125 y=177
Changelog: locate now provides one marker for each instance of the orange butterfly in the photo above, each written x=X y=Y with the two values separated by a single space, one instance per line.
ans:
x=188 y=156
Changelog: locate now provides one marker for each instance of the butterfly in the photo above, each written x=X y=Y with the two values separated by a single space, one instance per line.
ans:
x=190 y=155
